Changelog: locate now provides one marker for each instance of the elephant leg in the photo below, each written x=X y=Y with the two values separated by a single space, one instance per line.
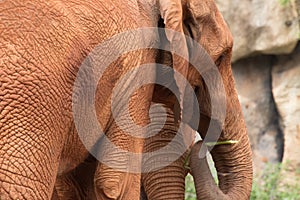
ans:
x=77 y=184
x=113 y=179
x=32 y=137
x=55 y=195
x=29 y=164
x=118 y=174
x=116 y=185
x=166 y=182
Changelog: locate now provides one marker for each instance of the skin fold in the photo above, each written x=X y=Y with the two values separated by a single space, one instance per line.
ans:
x=42 y=45
x=203 y=22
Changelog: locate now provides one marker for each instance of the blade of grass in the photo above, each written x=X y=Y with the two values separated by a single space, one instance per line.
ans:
x=210 y=144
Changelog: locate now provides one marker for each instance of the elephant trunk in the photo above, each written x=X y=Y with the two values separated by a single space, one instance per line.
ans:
x=206 y=187
x=233 y=162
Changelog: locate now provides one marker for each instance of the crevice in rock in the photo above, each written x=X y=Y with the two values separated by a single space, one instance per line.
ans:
x=277 y=118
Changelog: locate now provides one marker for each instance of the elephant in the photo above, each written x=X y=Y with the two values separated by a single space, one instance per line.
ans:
x=43 y=46
x=202 y=21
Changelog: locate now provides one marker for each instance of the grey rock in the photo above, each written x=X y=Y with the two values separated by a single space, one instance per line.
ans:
x=286 y=91
x=260 y=26
x=253 y=82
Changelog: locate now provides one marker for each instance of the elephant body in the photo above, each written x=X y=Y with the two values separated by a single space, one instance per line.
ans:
x=44 y=44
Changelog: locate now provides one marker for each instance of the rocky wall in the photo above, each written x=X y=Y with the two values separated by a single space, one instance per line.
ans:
x=266 y=66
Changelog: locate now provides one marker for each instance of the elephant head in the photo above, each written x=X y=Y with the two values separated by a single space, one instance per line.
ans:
x=45 y=45
x=201 y=20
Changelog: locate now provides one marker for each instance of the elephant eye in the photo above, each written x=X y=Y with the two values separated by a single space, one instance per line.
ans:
x=221 y=58
x=219 y=61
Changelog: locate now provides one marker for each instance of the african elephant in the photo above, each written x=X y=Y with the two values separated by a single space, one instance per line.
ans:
x=202 y=21
x=43 y=46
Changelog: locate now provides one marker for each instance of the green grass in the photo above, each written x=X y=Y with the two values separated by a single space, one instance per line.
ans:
x=190 y=192
x=271 y=187
x=268 y=187
x=284 y=2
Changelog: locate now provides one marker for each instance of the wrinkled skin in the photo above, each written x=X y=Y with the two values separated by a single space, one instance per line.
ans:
x=43 y=45
x=203 y=22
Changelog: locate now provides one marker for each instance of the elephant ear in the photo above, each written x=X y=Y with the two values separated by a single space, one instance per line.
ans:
x=172 y=14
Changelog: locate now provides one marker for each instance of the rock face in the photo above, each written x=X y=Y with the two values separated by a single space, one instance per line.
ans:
x=254 y=85
x=286 y=91
x=269 y=91
x=269 y=84
x=260 y=26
